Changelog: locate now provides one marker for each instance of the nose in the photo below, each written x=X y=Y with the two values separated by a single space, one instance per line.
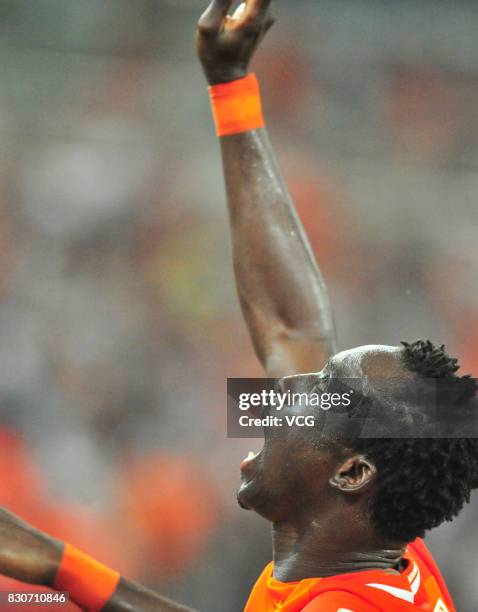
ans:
x=299 y=383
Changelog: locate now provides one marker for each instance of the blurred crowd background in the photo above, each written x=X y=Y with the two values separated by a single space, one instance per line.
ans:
x=119 y=322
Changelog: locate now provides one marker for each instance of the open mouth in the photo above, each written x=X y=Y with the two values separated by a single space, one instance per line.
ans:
x=249 y=459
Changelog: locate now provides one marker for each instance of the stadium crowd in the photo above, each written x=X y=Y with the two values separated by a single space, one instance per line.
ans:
x=115 y=269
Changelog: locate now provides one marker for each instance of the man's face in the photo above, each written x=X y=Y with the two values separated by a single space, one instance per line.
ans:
x=291 y=475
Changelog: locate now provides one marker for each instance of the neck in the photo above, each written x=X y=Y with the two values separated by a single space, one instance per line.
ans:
x=324 y=548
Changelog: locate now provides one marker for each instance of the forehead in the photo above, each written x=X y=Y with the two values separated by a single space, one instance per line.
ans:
x=371 y=360
x=379 y=360
x=376 y=371
x=375 y=375
x=364 y=368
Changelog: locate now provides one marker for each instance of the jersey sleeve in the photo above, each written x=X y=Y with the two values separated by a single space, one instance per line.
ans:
x=336 y=601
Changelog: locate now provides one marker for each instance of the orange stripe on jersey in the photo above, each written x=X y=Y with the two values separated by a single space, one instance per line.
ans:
x=420 y=551
x=419 y=586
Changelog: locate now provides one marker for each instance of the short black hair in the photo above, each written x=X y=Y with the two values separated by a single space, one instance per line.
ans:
x=423 y=482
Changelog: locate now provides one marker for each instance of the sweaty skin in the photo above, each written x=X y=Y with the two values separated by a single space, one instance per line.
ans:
x=298 y=484
x=282 y=294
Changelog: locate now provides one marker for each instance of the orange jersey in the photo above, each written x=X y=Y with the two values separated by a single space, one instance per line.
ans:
x=419 y=586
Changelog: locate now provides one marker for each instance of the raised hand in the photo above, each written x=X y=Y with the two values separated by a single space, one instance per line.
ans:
x=27 y=554
x=225 y=44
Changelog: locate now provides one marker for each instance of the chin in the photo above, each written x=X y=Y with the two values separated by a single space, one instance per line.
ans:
x=252 y=496
x=247 y=494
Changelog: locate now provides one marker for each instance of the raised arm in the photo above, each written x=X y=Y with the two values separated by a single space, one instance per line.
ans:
x=281 y=291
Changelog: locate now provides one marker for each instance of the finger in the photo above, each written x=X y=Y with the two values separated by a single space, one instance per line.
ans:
x=256 y=9
x=213 y=17
x=239 y=12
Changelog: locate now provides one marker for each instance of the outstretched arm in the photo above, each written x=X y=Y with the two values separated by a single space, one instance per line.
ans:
x=281 y=291
x=31 y=556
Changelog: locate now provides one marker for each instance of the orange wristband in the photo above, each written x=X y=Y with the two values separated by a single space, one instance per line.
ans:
x=236 y=106
x=89 y=583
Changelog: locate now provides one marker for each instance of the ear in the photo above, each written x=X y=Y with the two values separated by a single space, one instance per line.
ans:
x=355 y=475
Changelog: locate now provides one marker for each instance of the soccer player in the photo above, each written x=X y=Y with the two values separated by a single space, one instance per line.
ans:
x=347 y=513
